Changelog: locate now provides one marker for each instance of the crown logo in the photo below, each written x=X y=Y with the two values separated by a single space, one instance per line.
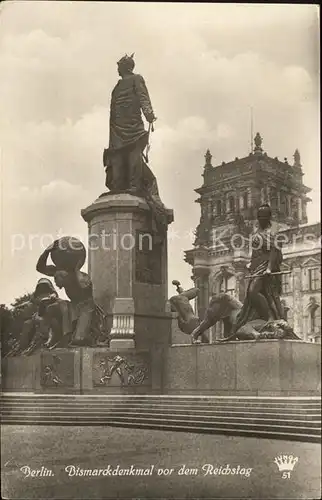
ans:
x=285 y=462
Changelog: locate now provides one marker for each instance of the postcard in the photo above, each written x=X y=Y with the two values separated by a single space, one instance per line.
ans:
x=160 y=250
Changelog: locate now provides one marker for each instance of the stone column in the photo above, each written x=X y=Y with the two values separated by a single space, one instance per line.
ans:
x=263 y=195
x=241 y=258
x=300 y=214
x=240 y=286
x=128 y=268
x=201 y=281
x=297 y=302
x=227 y=202
x=250 y=197
x=289 y=205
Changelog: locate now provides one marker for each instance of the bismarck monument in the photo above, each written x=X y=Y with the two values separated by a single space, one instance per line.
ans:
x=113 y=335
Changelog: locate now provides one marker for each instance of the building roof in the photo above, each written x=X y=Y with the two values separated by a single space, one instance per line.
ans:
x=256 y=164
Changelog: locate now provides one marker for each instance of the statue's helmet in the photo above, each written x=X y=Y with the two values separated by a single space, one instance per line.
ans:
x=126 y=62
x=264 y=211
x=44 y=286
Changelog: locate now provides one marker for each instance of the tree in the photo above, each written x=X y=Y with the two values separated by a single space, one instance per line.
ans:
x=5 y=318
x=12 y=319
x=23 y=298
x=6 y=321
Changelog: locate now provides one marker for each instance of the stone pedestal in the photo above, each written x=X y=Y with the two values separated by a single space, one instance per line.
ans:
x=244 y=368
x=128 y=268
x=298 y=301
x=56 y=371
x=86 y=370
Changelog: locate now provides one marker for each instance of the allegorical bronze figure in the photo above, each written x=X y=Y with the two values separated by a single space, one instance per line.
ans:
x=33 y=318
x=187 y=319
x=264 y=287
x=261 y=316
x=79 y=320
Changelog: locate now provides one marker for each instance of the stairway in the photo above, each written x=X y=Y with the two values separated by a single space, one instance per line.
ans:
x=297 y=419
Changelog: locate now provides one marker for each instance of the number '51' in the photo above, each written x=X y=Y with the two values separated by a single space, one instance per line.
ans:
x=286 y=475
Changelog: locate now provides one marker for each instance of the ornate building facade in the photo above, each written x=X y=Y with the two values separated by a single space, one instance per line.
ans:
x=229 y=198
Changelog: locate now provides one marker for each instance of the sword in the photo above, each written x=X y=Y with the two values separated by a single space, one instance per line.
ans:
x=148 y=147
x=263 y=275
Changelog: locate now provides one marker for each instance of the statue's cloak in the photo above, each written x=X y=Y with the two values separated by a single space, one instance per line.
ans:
x=129 y=97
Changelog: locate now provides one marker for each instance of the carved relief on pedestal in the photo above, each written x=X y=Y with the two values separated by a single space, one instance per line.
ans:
x=116 y=370
x=57 y=371
x=148 y=259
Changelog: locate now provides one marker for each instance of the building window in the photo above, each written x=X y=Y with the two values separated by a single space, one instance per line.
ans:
x=283 y=207
x=313 y=321
x=231 y=202
x=314 y=279
x=227 y=285
x=286 y=283
x=286 y=311
x=219 y=207
x=315 y=329
x=294 y=209
x=273 y=199
x=245 y=200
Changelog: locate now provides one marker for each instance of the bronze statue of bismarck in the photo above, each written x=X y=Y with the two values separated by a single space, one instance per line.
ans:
x=123 y=160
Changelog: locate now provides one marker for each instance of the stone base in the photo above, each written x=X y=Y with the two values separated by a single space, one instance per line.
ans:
x=127 y=262
x=44 y=371
x=245 y=368
x=117 y=370
x=122 y=344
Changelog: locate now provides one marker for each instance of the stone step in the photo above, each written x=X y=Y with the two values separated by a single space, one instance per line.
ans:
x=288 y=418
x=272 y=413
x=160 y=401
x=234 y=399
x=309 y=438
x=189 y=397
x=196 y=417
x=251 y=429
x=290 y=436
x=155 y=403
x=195 y=413
x=174 y=410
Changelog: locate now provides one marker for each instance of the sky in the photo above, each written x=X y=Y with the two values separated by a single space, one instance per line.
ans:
x=205 y=66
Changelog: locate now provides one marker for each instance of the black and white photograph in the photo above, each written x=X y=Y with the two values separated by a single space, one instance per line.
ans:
x=160 y=258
